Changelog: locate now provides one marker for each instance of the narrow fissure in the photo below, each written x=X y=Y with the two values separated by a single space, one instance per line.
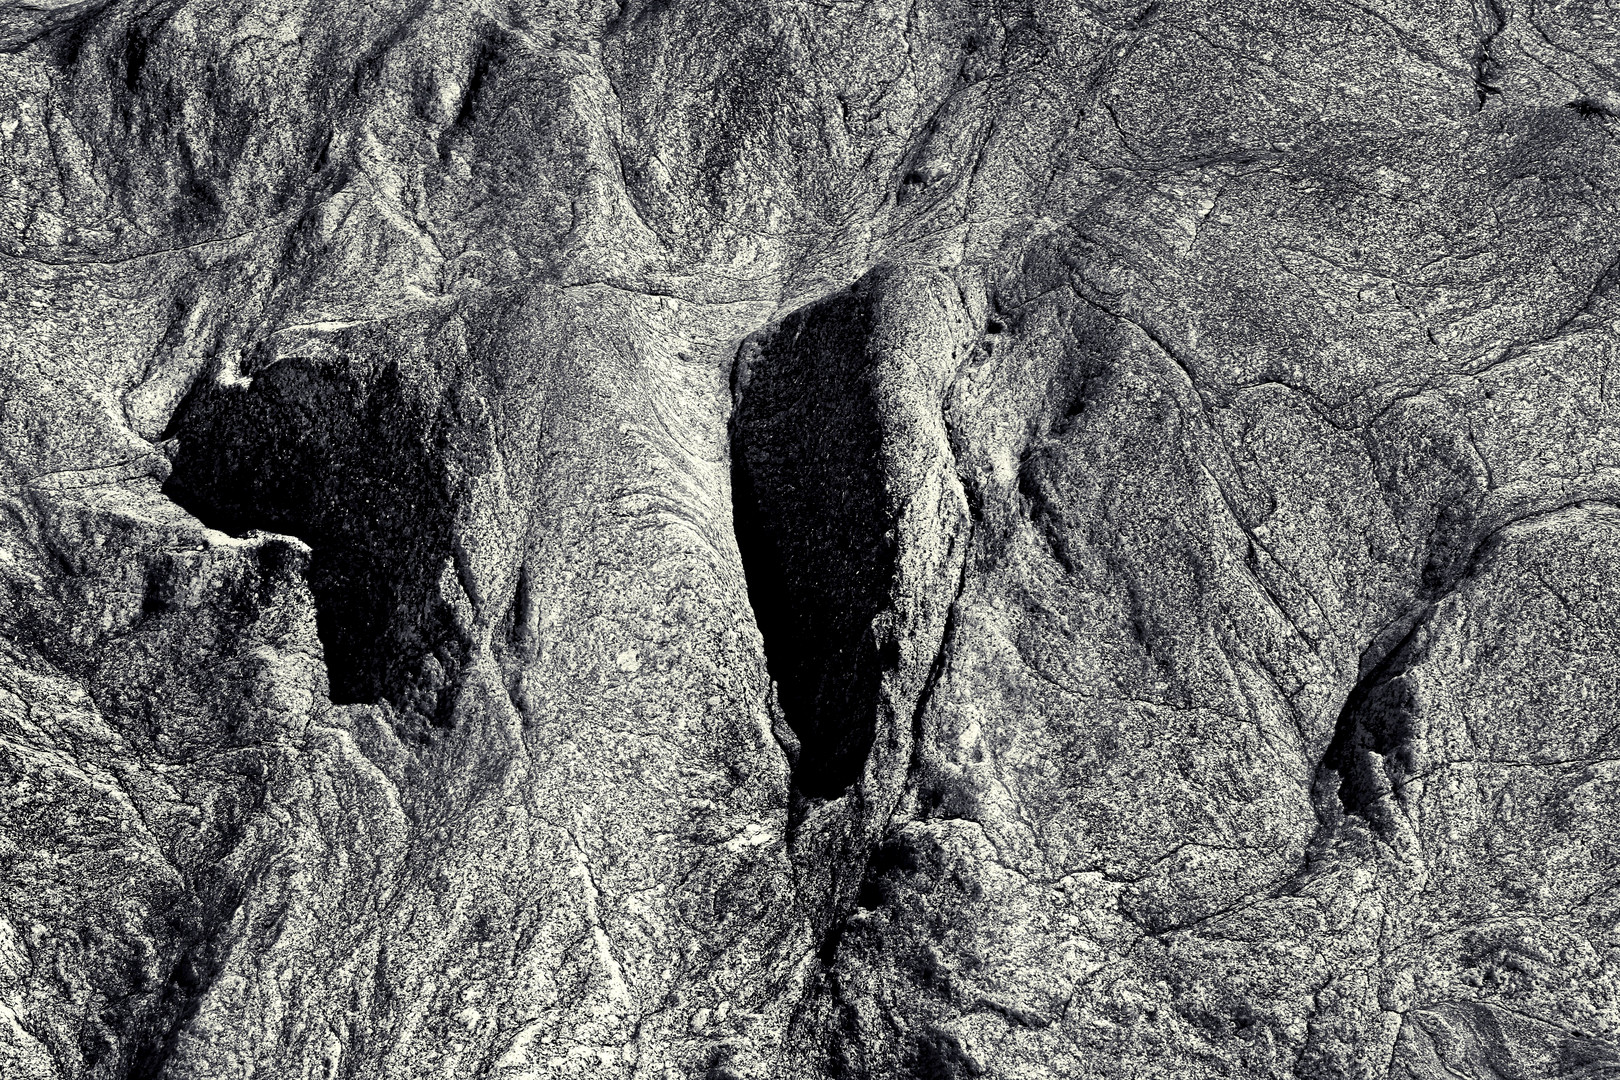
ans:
x=181 y=999
x=1370 y=755
x=807 y=490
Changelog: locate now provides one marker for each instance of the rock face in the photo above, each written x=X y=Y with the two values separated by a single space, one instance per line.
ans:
x=960 y=538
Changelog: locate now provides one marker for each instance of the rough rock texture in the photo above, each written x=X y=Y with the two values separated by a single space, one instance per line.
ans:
x=809 y=539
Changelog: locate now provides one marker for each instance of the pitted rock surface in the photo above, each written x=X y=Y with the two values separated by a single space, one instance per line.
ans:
x=927 y=539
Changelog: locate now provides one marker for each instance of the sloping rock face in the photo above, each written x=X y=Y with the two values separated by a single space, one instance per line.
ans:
x=938 y=539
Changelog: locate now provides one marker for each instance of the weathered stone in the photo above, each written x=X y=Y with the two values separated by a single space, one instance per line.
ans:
x=809 y=540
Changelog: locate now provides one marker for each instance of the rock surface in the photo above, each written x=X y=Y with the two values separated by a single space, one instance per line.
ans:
x=938 y=539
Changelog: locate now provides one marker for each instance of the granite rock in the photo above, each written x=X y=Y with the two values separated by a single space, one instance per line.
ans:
x=934 y=539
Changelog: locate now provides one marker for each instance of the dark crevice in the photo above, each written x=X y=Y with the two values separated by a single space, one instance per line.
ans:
x=935 y=790
x=349 y=464
x=892 y=862
x=175 y=1008
x=523 y=618
x=1371 y=757
x=1588 y=107
x=134 y=59
x=808 y=493
x=170 y=989
x=1486 y=70
x=489 y=55
x=323 y=152
x=937 y=1054
x=69 y=42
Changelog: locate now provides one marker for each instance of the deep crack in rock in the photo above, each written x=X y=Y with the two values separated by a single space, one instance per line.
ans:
x=813 y=529
x=349 y=463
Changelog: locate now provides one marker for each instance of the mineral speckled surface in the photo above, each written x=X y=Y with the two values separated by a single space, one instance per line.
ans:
x=809 y=539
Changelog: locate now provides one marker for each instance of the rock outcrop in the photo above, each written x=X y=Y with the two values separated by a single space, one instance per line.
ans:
x=809 y=539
